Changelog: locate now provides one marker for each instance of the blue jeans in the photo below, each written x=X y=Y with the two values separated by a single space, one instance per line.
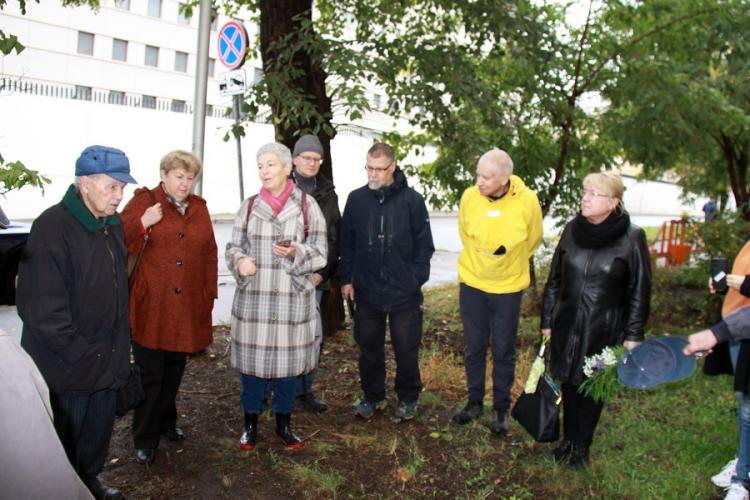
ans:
x=306 y=381
x=490 y=319
x=406 y=334
x=254 y=391
x=742 y=475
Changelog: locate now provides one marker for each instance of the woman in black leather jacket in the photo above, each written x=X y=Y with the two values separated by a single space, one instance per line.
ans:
x=597 y=295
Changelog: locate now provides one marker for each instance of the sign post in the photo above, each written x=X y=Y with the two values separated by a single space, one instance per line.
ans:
x=232 y=48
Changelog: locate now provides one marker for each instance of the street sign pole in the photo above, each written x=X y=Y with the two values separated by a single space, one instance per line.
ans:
x=236 y=112
x=201 y=86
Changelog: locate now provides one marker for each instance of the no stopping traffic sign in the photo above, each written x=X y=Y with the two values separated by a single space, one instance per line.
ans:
x=232 y=44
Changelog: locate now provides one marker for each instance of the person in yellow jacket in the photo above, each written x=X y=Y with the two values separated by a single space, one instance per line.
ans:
x=500 y=223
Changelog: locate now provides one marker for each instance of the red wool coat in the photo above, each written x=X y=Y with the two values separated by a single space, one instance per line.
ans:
x=176 y=281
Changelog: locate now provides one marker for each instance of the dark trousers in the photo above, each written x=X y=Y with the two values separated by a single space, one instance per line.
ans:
x=161 y=373
x=306 y=380
x=580 y=415
x=490 y=319
x=406 y=334
x=84 y=425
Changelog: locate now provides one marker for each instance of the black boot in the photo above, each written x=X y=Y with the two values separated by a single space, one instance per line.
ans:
x=579 y=455
x=499 y=425
x=563 y=451
x=285 y=433
x=101 y=491
x=250 y=436
x=471 y=411
x=311 y=403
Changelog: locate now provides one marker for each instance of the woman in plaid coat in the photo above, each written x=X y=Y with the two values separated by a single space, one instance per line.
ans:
x=275 y=249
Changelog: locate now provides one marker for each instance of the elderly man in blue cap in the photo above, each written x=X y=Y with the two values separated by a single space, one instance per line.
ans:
x=73 y=299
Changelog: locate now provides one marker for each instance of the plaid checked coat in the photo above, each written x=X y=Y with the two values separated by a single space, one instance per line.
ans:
x=273 y=313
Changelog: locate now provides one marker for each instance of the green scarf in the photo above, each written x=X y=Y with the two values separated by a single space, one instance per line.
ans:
x=73 y=202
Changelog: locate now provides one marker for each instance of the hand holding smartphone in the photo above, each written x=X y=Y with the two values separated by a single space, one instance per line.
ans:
x=718 y=270
x=284 y=243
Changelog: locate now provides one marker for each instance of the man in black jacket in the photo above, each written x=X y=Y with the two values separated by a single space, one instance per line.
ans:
x=308 y=155
x=385 y=251
x=73 y=299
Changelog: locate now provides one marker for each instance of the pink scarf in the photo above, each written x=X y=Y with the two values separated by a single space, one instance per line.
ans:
x=277 y=202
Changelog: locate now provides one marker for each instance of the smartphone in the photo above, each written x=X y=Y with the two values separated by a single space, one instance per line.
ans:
x=718 y=269
x=284 y=243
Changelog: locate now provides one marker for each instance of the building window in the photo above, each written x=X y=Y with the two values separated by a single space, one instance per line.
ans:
x=116 y=97
x=257 y=75
x=119 y=50
x=180 y=61
x=211 y=67
x=214 y=22
x=209 y=110
x=181 y=19
x=377 y=101
x=152 y=56
x=148 y=101
x=154 y=8
x=85 y=43
x=83 y=93
x=122 y=4
x=178 y=106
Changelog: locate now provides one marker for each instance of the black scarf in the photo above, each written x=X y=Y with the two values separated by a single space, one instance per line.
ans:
x=594 y=236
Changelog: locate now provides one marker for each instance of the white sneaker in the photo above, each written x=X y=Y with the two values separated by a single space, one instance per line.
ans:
x=724 y=478
x=737 y=492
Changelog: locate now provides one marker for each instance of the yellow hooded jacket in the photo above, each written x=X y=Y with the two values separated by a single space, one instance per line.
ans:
x=499 y=238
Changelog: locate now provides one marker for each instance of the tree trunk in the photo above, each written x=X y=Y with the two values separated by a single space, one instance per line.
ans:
x=279 y=19
x=736 y=158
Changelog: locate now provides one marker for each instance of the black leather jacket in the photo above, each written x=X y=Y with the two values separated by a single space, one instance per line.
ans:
x=594 y=299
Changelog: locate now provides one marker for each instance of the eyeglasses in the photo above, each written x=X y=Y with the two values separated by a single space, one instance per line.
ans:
x=594 y=194
x=311 y=159
x=376 y=169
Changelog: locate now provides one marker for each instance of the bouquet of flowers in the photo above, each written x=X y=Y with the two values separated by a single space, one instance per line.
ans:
x=601 y=375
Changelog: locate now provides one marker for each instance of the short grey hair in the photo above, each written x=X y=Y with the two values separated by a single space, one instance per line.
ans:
x=499 y=159
x=282 y=152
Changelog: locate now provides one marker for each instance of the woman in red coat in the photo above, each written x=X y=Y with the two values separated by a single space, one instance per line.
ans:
x=172 y=292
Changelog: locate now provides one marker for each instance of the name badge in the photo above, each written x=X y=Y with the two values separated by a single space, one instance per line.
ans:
x=493 y=213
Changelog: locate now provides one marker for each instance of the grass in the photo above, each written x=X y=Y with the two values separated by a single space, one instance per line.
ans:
x=661 y=443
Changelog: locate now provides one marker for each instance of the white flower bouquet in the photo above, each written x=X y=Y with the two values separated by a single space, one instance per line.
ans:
x=601 y=375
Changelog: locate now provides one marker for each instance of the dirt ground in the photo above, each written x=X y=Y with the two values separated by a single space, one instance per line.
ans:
x=343 y=456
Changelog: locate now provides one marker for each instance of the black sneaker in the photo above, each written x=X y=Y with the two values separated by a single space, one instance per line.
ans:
x=471 y=411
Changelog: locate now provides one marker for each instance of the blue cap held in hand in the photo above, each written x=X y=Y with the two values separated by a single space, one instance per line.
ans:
x=104 y=160
x=656 y=361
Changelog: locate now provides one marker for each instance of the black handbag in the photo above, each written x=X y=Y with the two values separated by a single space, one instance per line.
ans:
x=131 y=394
x=539 y=412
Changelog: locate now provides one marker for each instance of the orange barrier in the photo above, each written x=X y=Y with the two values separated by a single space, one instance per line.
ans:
x=669 y=242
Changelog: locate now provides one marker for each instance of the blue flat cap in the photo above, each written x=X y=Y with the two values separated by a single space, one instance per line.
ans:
x=656 y=361
x=104 y=160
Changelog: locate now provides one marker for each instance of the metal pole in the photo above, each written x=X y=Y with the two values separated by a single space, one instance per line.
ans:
x=237 y=100
x=201 y=86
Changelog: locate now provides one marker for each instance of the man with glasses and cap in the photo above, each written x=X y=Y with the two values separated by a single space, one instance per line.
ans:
x=308 y=156
x=386 y=246
x=500 y=224
x=73 y=299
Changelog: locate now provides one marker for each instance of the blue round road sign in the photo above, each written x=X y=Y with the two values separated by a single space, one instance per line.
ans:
x=232 y=44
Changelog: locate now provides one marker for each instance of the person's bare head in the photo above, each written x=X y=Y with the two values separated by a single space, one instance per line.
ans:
x=494 y=169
